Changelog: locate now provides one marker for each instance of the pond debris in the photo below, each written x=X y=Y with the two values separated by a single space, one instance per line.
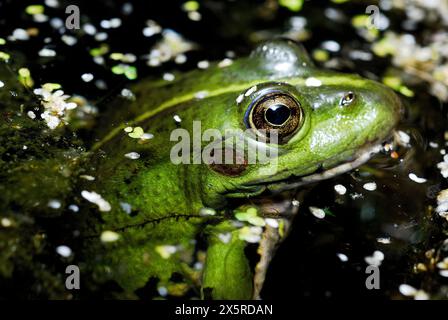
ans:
x=6 y=222
x=87 y=77
x=87 y=177
x=204 y=64
x=251 y=234
x=402 y=138
x=73 y=207
x=443 y=266
x=225 y=237
x=342 y=257
x=171 y=45
x=273 y=223
x=442 y=204
x=166 y=251
x=370 y=186
x=55 y=105
x=132 y=155
x=109 y=236
x=443 y=166
x=417 y=179
x=410 y=291
x=383 y=240
x=54 y=204
x=313 y=82
x=317 y=212
x=340 y=189
x=375 y=259
x=151 y=28
x=168 y=76
x=64 y=251
x=97 y=199
x=207 y=212
x=250 y=215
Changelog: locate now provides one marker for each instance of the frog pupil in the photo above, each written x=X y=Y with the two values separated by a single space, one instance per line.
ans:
x=277 y=114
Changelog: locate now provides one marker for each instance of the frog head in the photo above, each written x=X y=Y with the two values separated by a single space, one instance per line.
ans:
x=311 y=124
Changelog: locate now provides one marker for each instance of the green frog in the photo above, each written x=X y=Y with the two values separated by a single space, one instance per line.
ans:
x=165 y=210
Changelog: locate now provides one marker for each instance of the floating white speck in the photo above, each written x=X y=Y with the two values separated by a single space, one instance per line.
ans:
x=225 y=63
x=250 y=234
x=207 y=212
x=177 y=118
x=127 y=8
x=64 y=251
x=126 y=207
x=273 y=223
x=414 y=178
x=340 y=189
x=355 y=195
x=407 y=290
x=240 y=98
x=6 y=223
x=54 y=204
x=180 y=59
x=168 y=76
x=146 y=136
x=370 y=186
x=383 y=240
x=201 y=94
x=87 y=177
x=31 y=114
x=101 y=36
x=331 y=45
x=342 y=257
x=89 y=29
x=225 y=237
x=127 y=93
x=95 y=198
x=52 y=3
x=402 y=138
x=73 y=207
x=151 y=29
x=56 y=23
x=20 y=34
x=2 y=84
x=203 y=64
x=194 y=16
x=166 y=251
x=132 y=155
x=109 y=236
x=313 y=82
x=45 y=52
x=163 y=291
x=421 y=295
x=198 y=266
x=250 y=91
x=87 y=77
x=295 y=203
x=69 y=40
x=433 y=145
x=317 y=212
x=375 y=259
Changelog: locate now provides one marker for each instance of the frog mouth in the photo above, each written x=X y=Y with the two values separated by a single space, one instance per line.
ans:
x=292 y=181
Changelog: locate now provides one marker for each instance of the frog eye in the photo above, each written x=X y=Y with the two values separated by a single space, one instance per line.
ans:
x=275 y=111
x=347 y=99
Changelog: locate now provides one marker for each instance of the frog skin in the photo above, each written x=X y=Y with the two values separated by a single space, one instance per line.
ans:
x=334 y=123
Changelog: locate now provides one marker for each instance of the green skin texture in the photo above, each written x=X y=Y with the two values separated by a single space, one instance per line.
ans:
x=166 y=198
